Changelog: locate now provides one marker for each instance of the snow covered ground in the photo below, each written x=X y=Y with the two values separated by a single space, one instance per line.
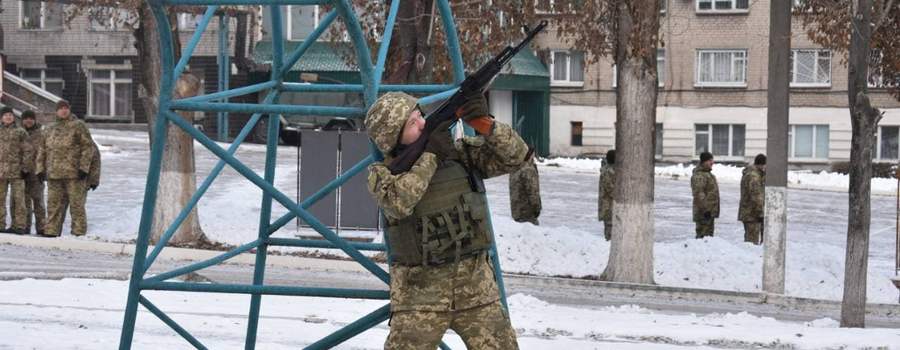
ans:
x=569 y=241
x=87 y=314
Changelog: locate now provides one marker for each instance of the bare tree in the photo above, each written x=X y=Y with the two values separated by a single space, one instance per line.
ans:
x=851 y=27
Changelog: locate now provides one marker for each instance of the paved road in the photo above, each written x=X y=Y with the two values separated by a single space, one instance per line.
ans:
x=18 y=262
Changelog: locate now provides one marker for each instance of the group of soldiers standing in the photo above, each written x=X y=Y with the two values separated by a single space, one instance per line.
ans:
x=63 y=155
x=705 y=190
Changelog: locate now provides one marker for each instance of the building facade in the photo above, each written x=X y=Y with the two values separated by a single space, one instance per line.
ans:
x=90 y=60
x=713 y=66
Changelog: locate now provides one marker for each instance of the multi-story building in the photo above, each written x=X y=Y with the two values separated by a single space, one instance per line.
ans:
x=713 y=72
x=91 y=60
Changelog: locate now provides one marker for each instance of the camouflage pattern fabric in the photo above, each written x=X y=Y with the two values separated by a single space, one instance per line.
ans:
x=607 y=230
x=753 y=232
x=705 y=228
x=605 y=198
x=93 y=179
x=35 y=141
x=753 y=195
x=484 y=327
x=14 y=152
x=34 y=203
x=706 y=193
x=525 y=193
x=451 y=288
x=385 y=119
x=17 y=202
x=62 y=194
x=66 y=151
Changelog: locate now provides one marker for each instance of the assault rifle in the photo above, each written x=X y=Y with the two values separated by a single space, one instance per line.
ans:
x=477 y=82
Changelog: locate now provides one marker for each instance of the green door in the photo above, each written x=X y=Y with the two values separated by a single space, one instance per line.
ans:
x=530 y=110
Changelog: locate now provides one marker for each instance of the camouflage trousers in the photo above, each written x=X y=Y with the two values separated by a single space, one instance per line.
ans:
x=525 y=194
x=607 y=230
x=16 y=200
x=753 y=232
x=34 y=203
x=61 y=194
x=705 y=228
x=485 y=327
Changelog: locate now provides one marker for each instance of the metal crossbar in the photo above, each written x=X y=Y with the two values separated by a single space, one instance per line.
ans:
x=281 y=65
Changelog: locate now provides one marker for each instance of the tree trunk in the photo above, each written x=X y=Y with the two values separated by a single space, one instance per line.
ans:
x=631 y=251
x=177 y=180
x=864 y=119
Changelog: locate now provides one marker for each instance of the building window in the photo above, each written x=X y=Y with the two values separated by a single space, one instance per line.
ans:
x=887 y=142
x=725 y=68
x=810 y=68
x=40 y=15
x=808 y=141
x=660 y=69
x=876 y=77
x=301 y=21
x=663 y=6
x=47 y=79
x=577 y=131
x=712 y=6
x=189 y=21
x=554 y=7
x=111 y=19
x=110 y=94
x=658 y=141
x=567 y=68
x=725 y=140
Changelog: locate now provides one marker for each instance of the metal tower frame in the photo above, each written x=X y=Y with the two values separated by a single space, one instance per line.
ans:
x=370 y=88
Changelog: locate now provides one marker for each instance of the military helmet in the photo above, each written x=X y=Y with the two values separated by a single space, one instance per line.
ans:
x=385 y=119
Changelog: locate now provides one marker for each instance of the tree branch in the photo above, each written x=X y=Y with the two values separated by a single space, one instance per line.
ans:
x=884 y=15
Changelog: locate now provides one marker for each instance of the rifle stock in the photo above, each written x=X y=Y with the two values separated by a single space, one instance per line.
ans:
x=477 y=82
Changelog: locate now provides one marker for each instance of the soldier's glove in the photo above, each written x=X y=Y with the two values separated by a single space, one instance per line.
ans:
x=24 y=174
x=707 y=216
x=82 y=175
x=475 y=113
x=440 y=142
x=94 y=187
x=42 y=177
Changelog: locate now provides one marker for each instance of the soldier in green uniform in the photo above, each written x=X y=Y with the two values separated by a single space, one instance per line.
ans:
x=753 y=200
x=65 y=161
x=438 y=227
x=605 y=199
x=34 y=187
x=14 y=151
x=706 y=196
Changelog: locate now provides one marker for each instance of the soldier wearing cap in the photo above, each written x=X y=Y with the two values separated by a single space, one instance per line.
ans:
x=14 y=152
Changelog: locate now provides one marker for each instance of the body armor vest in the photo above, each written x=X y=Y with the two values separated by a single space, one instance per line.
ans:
x=449 y=222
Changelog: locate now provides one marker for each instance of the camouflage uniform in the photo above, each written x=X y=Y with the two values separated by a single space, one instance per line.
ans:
x=605 y=199
x=34 y=187
x=752 y=206
x=525 y=193
x=14 y=153
x=93 y=180
x=65 y=159
x=426 y=300
x=706 y=200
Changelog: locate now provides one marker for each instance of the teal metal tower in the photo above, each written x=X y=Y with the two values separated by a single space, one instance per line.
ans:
x=370 y=87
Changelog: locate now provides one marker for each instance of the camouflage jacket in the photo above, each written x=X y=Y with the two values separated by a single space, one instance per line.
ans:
x=605 y=199
x=525 y=193
x=67 y=149
x=94 y=174
x=706 y=193
x=753 y=195
x=456 y=286
x=14 y=151
x=36 y=143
